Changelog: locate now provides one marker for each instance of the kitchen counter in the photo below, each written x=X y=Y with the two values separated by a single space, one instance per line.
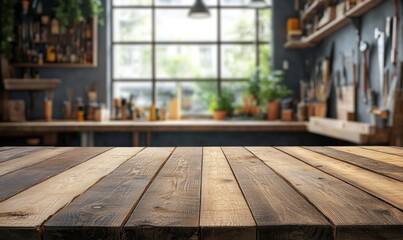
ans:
x=88 y=129
x=183 y=125
x=201 y=193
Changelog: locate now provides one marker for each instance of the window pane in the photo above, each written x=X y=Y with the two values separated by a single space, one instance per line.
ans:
x=131 y=25
x=240 y=2
x=265 y=25
x=234 y=2
x=265 y=60
x=175 y=25
x=238 y=24
x=131 y=2
x=186 y=61
x=131 y=61
x=238 y=61
x=141 y=92
x=196 y=96
x=235 y=89
x=183 y=2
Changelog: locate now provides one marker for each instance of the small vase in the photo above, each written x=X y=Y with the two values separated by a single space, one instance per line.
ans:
x=219 y=115
x=321 y=110
x=273 y=110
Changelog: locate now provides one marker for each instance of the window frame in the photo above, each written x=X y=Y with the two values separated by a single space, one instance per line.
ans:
x=257 y=43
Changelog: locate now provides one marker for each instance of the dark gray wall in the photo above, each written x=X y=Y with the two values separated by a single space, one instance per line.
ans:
x=282 y=10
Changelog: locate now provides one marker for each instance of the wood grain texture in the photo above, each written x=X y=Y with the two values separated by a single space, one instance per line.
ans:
x=224 y=213
x=352 y=211
x=10 y=153
x=170 y=207
x=96 y=215
x=390 y=150
x=385 y=188
x=378 y=156
x=280 y=212
x=30 y=159
x=24 y=178
x=158 y=126
x=383 y=168
x=5 y=148
x=30 y=208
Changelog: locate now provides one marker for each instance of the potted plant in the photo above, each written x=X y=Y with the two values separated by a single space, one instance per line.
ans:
x=221 y=106
x=7 y=17
x=69 y=12
x=272 y=90
x=251 y=96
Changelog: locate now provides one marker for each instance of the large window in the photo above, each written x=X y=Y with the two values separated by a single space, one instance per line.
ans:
x=158 y=50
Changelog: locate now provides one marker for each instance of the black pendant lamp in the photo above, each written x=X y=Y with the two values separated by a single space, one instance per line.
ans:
x=199 y=10
x=257 y=4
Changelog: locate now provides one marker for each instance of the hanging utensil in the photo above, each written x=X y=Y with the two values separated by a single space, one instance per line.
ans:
x=364 y=46
x=380 y=37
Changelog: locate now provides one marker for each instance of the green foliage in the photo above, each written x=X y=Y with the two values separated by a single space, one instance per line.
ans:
x=273 y=89
x=7 y=16
x=96 y=9
x=223 y=103
x=67 y=12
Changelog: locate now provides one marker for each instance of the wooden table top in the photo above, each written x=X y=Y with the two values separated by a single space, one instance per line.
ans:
x=201 y=193
x=183 y=125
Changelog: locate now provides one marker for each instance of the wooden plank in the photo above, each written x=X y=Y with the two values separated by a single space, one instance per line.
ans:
x=348 y=126
x=30 y=208
x=11 y=153
x=355 y=214
x=280 y=212
x=22 y=84
x=387 y=189
x=390 y=150
x=383 y=157
x=383 y=168
x=170 y=207
x=96 y=215
x=5 y=148
x=7 y=128
x=30 y=159
x=22 y=179
x=224 y=213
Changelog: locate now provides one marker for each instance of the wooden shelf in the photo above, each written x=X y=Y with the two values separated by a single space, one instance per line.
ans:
x=356 y=132
x=313 y=9
x=30 y=84
x=53 y=65
x=297 y=44
x=333 y=26
x=68 y=65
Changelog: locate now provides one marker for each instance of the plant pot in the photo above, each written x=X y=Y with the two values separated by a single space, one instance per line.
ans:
x=273 y=110
x=219 y=115
x=320 y=109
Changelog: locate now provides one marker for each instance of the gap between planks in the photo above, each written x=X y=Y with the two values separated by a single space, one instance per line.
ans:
x=361 y=211
x=386 y=189
x=61 y=190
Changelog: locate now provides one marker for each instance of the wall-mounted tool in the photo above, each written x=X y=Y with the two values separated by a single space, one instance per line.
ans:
x=364 y=46
x=396 y=80
x=395 y=32
x=380 y=37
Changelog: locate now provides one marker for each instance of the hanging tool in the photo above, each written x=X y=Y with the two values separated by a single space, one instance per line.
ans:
x=380 y=37
x=396 y=82
x=395 y=32
x=354 y=71
x=364 y=46
x=338 y=85
x=357 y=23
